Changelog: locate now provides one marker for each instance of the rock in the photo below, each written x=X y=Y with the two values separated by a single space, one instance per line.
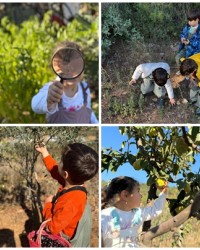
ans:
x=184 y=101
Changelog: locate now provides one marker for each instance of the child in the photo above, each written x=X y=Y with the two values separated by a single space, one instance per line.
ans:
x=190 y=68
x=155 y=76
x=121 y=221
x=67 y=102
x=190 y=37
x=79 y=163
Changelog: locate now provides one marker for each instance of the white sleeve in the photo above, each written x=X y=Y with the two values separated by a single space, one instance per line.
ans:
x=148 y=213
x=137 y=73
x=39 y=101
x=169 y=89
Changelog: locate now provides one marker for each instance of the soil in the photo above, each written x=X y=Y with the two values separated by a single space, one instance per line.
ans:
x=116 y=73
x=14 y=220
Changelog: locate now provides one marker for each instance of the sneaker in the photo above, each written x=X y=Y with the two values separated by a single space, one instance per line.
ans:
x=160 y=103
x=197 y=112
x=141 y=100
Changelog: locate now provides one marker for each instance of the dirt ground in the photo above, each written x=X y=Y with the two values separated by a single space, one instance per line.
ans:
x=13 y=219
x=116 y=73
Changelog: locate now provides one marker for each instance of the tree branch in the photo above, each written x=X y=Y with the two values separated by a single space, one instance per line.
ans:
x=172 y=223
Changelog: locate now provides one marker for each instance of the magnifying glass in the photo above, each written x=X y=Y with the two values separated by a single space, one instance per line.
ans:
x=68 y=63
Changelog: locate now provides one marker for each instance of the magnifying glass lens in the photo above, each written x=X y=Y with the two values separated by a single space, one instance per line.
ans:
x=68 y=63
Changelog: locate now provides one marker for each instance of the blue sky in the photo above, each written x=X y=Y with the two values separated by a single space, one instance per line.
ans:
x=111 y=137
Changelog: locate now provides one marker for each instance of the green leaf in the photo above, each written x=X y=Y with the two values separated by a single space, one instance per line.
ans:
x=181 y=146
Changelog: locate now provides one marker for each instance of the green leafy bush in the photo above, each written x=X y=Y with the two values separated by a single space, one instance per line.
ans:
x=143 y=22
x=117 y=24
x=25 y=53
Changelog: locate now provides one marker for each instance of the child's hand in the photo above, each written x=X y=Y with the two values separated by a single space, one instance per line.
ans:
x=172 y=101
x=163 y=188
x=186 y=42
x=183 y=40
x=132 y=82
x=54 y=93
x=40 y=147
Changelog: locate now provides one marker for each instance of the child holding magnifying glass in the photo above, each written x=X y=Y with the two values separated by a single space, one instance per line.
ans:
x=66 y=101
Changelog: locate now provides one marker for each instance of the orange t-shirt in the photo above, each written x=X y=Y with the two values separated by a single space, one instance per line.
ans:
x=68 y=208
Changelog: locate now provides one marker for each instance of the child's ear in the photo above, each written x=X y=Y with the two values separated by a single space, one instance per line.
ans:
x=124 y=195
x=66 y=174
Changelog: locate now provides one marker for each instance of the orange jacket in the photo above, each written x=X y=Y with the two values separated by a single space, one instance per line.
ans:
x=69 y=207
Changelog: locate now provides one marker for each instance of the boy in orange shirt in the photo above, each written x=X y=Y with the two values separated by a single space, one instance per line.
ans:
x=79 y=163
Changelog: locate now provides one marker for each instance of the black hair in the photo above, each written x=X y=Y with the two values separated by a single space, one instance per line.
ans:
x=193 y=15
x=188 y=66
x=116 y=186
x=80 y=161
x=160 y=76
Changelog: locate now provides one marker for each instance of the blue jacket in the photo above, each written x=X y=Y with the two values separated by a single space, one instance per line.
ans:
x=194 y=46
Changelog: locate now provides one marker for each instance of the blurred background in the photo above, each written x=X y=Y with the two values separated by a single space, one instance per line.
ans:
x=29 y=32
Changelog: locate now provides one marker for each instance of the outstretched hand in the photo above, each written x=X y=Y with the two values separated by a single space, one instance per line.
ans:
x=172 y=101
x=41 y=148
x=132 y=81
x=163 y=188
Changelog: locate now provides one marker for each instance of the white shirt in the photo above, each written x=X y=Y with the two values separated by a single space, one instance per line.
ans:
x=130 y=222
x=145 y=70
x=39 y=101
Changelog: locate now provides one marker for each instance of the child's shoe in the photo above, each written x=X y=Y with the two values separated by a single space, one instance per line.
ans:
x=160 y=103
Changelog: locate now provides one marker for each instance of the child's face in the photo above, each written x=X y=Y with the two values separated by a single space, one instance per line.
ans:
x=72 y=82
x=134 y=199
x=193 y=23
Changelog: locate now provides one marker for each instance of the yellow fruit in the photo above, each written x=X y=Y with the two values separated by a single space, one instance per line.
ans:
x=137 y=164
x=152 y=132
x=160 y=182
x=179 y=209
x=187 y=188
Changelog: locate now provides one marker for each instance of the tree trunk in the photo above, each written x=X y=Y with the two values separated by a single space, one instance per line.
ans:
x=172 y=223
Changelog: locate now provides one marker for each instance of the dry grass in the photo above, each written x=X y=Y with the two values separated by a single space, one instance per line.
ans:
x=191 y=238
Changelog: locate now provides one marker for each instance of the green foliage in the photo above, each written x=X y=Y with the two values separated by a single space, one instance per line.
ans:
x=117 y=24
x=25 y=53
x=17 y=148
x=139 y=22
x=163 y=152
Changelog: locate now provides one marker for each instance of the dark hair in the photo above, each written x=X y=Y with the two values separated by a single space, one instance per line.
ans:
x=80 y=161
x=188 y=66
x=160 y=76
x=193 y=15
x=116 y=186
